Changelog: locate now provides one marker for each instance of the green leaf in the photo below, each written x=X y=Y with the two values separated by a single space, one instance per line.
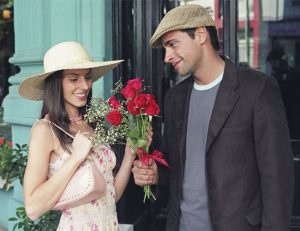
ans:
x=134 y=134
x=12 y=219
x=19 y=215
x=141 y=143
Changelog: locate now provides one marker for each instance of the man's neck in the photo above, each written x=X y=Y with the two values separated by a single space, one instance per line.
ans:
x=210 y=69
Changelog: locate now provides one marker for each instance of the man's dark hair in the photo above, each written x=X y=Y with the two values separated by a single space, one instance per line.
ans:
x=212 y=31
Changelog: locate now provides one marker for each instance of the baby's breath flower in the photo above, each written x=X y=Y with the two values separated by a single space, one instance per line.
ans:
x=96 y=114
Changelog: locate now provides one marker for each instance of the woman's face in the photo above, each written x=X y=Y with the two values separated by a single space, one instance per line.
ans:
x=76 y=86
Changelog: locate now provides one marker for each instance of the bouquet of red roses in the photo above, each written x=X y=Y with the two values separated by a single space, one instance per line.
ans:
x=126 y=115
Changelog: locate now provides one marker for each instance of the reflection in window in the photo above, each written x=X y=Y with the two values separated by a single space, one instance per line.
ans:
x=269 y=41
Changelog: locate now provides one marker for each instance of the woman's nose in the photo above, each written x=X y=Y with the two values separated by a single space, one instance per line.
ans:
x=85 y=83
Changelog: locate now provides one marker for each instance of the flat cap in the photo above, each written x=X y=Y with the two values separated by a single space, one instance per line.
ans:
x=179 y=18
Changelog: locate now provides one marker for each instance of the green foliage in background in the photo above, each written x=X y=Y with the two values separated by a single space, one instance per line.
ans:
x=12 y=167
x=48 y=221
x=12 y=162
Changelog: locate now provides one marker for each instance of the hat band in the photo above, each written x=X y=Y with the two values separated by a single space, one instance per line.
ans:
x=83 y=63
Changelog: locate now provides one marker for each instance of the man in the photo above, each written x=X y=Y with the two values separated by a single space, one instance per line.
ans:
x=225 y=136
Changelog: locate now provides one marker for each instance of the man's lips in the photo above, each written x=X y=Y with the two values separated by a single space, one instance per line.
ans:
x=175 y=64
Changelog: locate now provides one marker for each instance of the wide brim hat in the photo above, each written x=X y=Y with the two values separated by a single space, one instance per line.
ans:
x=64 y=56
x=180 y=18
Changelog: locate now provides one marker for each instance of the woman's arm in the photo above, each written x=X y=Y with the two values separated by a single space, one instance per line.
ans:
x=41 y=193
x=122 y=177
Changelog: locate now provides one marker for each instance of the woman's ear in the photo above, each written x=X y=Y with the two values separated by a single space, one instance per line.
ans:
x=201 y=34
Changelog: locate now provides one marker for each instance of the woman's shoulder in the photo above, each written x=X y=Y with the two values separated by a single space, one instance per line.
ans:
x=41 y=139
x=42 y=128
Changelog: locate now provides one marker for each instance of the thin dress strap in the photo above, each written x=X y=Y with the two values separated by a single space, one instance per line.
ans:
x=89 y=157
x=36 y=122
x=68 y=134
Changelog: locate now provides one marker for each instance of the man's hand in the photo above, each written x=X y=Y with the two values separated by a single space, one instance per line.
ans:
x=145 y=174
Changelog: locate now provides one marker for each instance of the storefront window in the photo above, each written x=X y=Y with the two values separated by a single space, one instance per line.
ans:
x=269 y=41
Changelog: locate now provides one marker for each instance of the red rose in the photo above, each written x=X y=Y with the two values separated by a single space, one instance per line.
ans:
x=10 y=144
x=132 y=108
x=141 y=101
x=128 y=92
x=152 y=109
x=149 y=97
x=136 y=84
x=115 y=118
x=114 y=103
x=1 y=140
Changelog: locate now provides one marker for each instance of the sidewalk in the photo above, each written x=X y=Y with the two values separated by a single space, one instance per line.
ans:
x=123 y=227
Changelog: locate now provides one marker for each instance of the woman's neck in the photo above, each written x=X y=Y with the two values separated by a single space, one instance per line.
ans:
x=75 y=119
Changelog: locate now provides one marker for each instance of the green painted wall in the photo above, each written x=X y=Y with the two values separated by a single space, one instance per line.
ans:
x=39 y=25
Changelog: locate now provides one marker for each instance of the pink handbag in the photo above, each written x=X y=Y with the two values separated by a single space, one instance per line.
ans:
x=86 y=184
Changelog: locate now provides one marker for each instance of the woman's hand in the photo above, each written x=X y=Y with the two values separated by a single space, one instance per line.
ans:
x=81 y=145
x=130 y=153
x=149 y=135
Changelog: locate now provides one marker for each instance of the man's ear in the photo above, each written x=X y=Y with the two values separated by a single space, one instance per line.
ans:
x=201 y=34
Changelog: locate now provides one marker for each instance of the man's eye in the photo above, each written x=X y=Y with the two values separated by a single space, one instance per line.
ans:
x=172 y=44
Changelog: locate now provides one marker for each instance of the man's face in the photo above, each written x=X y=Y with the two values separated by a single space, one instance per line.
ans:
x=182 y=52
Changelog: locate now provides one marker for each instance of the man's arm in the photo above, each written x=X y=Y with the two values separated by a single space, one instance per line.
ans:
x=274 y=157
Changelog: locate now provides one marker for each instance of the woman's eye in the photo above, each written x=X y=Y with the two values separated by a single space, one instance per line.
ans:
x=88 y=77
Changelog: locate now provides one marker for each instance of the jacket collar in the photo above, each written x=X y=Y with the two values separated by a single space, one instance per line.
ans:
x=227 y=97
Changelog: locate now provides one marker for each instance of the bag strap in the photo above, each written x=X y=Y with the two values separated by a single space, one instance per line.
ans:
x=62 y=129
x=89 y=157
x=68 y=134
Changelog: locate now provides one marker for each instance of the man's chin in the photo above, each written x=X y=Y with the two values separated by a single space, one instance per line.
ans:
x=184 y=74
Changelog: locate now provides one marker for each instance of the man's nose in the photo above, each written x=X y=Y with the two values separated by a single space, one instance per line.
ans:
x=168 y=55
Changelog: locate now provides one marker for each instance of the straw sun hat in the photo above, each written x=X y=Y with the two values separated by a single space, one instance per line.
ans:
x=179 y=18
x=63 y=56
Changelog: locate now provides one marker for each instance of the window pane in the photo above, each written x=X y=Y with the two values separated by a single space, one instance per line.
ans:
x=269 y=41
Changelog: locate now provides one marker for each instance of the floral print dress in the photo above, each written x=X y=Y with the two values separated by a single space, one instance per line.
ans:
x=97 y=215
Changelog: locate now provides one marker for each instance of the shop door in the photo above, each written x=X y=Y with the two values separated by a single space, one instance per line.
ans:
x=133 y=23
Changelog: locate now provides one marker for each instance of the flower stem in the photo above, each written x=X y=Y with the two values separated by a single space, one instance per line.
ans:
x=148 y=193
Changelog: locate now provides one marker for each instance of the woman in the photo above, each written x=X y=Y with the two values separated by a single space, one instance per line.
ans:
x=65 y=88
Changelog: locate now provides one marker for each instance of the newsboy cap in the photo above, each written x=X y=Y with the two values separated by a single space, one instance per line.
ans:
x=179 y=18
